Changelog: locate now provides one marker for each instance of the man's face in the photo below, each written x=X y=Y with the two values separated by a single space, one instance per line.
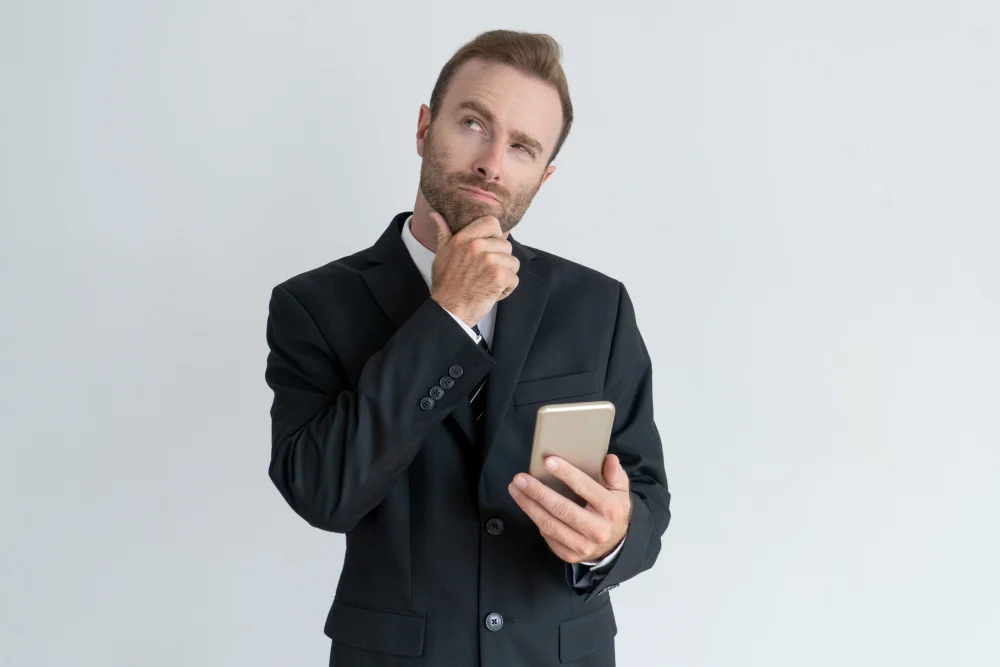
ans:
x=495 y=131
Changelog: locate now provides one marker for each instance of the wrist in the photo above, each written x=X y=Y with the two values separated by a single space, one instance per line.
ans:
x=454 y=309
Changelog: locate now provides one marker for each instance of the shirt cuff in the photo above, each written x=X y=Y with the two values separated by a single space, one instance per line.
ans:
x=587 y=574
x=472 y=334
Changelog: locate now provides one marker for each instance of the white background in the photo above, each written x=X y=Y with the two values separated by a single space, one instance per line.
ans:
x=801 y=197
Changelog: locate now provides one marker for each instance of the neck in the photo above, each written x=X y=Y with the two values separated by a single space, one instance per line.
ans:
x=423 y=228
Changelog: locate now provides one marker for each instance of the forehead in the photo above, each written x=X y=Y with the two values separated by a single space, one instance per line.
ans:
x=518 y=101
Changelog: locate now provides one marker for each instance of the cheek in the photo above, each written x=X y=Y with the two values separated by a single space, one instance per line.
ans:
x=523 y=191
x=453 y=139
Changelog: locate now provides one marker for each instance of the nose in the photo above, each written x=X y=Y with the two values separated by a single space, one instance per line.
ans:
x=489 y=161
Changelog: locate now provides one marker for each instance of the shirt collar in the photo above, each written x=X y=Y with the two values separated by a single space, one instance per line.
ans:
x=422 y=257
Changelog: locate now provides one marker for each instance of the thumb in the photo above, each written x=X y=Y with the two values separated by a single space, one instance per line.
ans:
x=615 y=477
x=443 y=230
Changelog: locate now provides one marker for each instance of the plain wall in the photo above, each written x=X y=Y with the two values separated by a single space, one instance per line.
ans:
x=802 y=199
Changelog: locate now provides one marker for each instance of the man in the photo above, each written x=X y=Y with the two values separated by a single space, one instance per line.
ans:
x=406 y=379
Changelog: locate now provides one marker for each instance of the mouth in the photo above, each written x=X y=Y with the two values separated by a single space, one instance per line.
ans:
x=481 y=195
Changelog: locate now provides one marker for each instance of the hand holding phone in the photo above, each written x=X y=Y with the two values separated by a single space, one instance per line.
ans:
x=579 y=433
x=577 y=529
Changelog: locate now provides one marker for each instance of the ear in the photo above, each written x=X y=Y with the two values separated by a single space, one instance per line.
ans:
x=548 y=172
x=423 y=124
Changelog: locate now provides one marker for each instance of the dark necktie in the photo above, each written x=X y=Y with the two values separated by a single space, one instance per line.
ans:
x=478 y=397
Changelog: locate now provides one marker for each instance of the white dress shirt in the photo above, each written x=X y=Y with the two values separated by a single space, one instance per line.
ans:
x=424 y=259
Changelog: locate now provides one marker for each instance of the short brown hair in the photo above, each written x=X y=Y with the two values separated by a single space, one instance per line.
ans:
x=534 y=54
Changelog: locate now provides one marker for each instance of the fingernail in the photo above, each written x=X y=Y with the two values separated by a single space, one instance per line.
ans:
x=551 y=463
x=521 y=481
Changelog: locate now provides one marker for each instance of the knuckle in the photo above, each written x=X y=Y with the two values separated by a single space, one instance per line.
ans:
x=476 y=245
x=547 y=527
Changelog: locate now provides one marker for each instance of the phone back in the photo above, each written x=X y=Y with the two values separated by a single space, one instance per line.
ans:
x=576 y=432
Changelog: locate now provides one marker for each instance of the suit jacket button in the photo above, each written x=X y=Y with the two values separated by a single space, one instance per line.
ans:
x=456 y=371
x=436 y=392
x=426 y=403
x=494 y=622
x=494 y=526
x=446 y=382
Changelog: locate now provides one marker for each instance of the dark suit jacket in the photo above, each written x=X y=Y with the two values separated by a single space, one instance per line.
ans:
x=442 y=567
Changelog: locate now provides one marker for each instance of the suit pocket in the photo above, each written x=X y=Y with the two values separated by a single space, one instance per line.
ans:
x=585 y=634
x=555 y=388
x=393 y=632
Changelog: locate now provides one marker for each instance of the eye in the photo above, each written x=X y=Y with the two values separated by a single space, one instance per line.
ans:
x=525 y=149
x=470 y=120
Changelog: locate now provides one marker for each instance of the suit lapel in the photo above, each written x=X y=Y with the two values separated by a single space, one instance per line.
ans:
x=395 y=281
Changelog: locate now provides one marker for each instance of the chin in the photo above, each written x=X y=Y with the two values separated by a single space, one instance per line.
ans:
x=466 y=215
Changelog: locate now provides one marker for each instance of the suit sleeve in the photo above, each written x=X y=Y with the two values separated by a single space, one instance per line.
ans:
x=336 y=449
x=636 y=442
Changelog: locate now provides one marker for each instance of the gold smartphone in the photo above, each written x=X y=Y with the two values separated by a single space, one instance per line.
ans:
x=575 y=432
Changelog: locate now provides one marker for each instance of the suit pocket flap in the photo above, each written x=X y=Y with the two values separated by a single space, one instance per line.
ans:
x=585 y=634
x=396 y=633
x=553 y=388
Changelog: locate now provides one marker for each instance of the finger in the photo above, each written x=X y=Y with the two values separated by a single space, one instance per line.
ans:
x=615 y=476
x=504 y=281
x=487 y=226
x=490 y=246
x=510 y=287
x=582 y=483
x=443 y=230
x=548 y=525
x=580 y=519
x=509 y=283
x=563 y=552
x=509 y=262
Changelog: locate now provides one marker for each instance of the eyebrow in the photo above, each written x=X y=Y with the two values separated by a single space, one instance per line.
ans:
x=516 y=135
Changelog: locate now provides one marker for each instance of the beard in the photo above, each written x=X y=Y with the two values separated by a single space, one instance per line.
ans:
x=441 y=190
